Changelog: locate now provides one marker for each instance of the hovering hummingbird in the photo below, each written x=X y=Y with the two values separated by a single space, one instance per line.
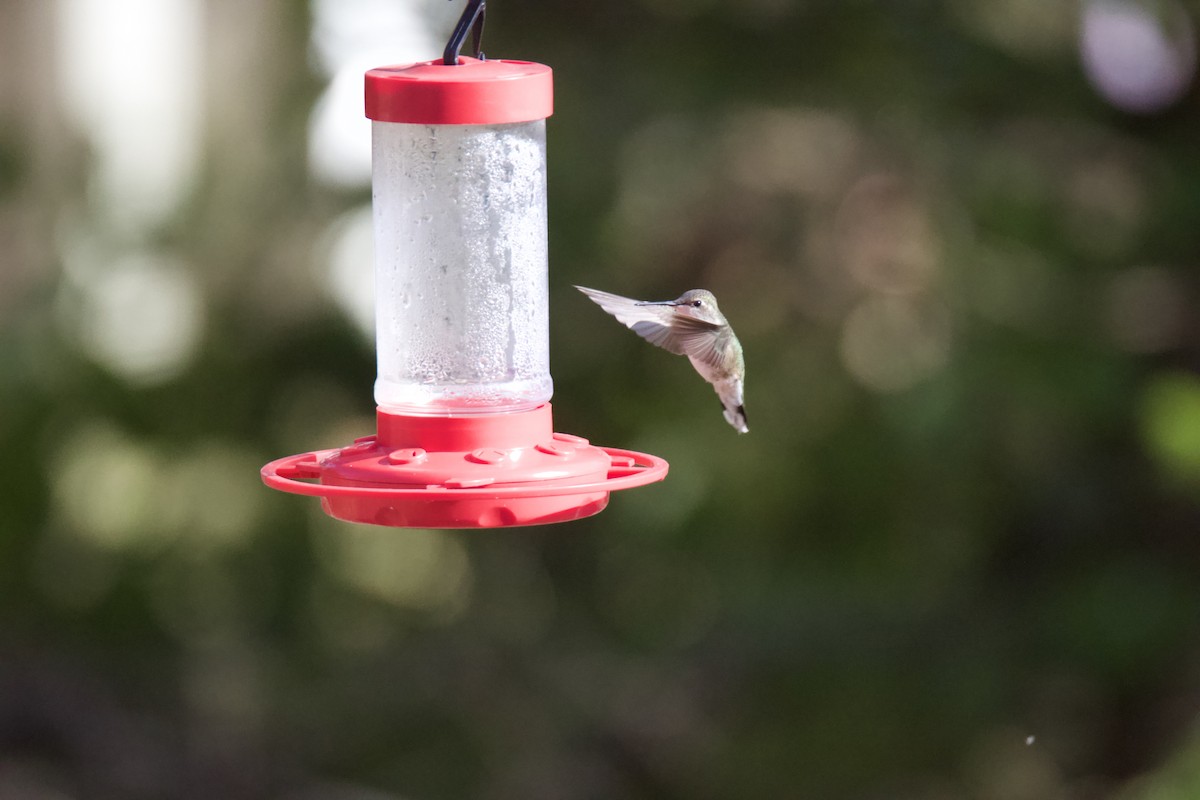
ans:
x=690 y=325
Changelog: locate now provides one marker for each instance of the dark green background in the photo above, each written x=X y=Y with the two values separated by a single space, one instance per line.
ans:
x=956 y=557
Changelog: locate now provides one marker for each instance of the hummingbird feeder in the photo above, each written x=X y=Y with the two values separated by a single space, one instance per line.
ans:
x=464 y=435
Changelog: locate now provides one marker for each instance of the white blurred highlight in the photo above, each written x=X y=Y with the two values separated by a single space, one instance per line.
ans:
x=350 y=37
x=1140 y=57
x=351 y=267
x=130 y=75
x=141 y=314
x=339 y=135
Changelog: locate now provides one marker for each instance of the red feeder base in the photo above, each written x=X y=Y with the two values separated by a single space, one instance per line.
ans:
x=471 y=471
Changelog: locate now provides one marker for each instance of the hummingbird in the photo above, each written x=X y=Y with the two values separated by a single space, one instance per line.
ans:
x=690 y=325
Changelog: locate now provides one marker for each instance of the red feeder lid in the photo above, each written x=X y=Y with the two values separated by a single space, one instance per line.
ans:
x=473 y=92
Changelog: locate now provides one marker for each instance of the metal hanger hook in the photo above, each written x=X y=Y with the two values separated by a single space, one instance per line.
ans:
x=472 y=20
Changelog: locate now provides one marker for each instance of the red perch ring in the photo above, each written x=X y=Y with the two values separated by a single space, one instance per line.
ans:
x=469 y=471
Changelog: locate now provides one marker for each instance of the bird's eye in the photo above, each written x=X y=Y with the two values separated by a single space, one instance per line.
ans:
x=697 y=303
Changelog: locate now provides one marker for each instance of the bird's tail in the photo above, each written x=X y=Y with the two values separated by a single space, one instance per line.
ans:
x=737 y=418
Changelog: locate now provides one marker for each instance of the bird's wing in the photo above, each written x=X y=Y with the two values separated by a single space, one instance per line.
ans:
x=710 y=345
x=656 y=324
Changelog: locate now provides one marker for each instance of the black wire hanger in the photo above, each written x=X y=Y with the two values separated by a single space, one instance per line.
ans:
x=471 y=19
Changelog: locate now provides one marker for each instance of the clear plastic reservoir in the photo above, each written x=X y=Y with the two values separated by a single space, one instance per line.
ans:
x=461 y=278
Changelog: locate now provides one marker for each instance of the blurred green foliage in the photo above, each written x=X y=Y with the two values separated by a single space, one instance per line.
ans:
x=955 y=557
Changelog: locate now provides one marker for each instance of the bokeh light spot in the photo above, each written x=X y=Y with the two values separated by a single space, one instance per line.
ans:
x=1147 y=309
x=417 y=569
x=104 y=486
x=1106 y=202
x=1015 y=286
x=884 y=237
x=141 y=314
x=122 y=495
x=349 y=37
x=339 y=135
x=1170 y=417
x=205 y=492
x=131 y=76
x=802 y=151
x=350 y=279
x=891 y=343
x=1139 y=55
x=1030 y=29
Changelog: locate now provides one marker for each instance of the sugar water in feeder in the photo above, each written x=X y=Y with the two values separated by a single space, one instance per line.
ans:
x=461 y=267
